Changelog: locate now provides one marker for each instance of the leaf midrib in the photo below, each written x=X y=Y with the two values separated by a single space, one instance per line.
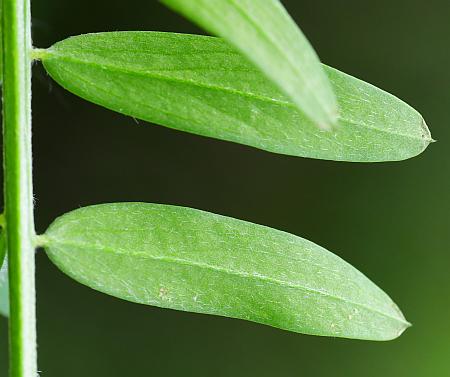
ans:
x=52 y=52
x=53 y=242
x=168 y=78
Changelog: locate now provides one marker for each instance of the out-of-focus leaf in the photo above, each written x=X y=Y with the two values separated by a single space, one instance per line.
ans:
x=264 y=32
x=191 y=260
x=4 y=290
x=4 y=286
x=201 y=85
x=2 y=239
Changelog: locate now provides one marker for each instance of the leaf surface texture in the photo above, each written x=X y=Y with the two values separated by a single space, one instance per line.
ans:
x=187 y=259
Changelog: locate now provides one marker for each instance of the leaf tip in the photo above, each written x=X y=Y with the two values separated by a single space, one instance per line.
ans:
x=402 y=326
x=331 y=122
x=426 y=134
x=406 y=326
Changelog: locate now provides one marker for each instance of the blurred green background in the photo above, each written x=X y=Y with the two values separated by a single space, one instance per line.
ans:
x=389 y=220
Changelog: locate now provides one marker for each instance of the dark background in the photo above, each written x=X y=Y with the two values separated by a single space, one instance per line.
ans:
x=389 y=220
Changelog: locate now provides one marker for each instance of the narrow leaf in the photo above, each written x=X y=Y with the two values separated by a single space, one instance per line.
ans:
x=186 y=259
x=200 y=85
x=267 y=35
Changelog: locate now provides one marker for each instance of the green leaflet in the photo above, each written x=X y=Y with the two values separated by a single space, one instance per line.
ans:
x=267 y=35
x=186 y=259
x=200 y=85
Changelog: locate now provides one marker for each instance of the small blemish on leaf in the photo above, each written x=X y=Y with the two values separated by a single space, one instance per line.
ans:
x=163 y=293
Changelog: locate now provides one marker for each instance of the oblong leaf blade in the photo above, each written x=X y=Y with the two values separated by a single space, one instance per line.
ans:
x=264 y=32
x=186 y=259
x=200 y=85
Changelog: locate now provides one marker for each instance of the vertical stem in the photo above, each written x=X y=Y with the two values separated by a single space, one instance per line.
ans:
x=18 y=185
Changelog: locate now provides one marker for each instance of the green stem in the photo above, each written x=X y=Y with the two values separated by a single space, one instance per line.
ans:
x=18 y=185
